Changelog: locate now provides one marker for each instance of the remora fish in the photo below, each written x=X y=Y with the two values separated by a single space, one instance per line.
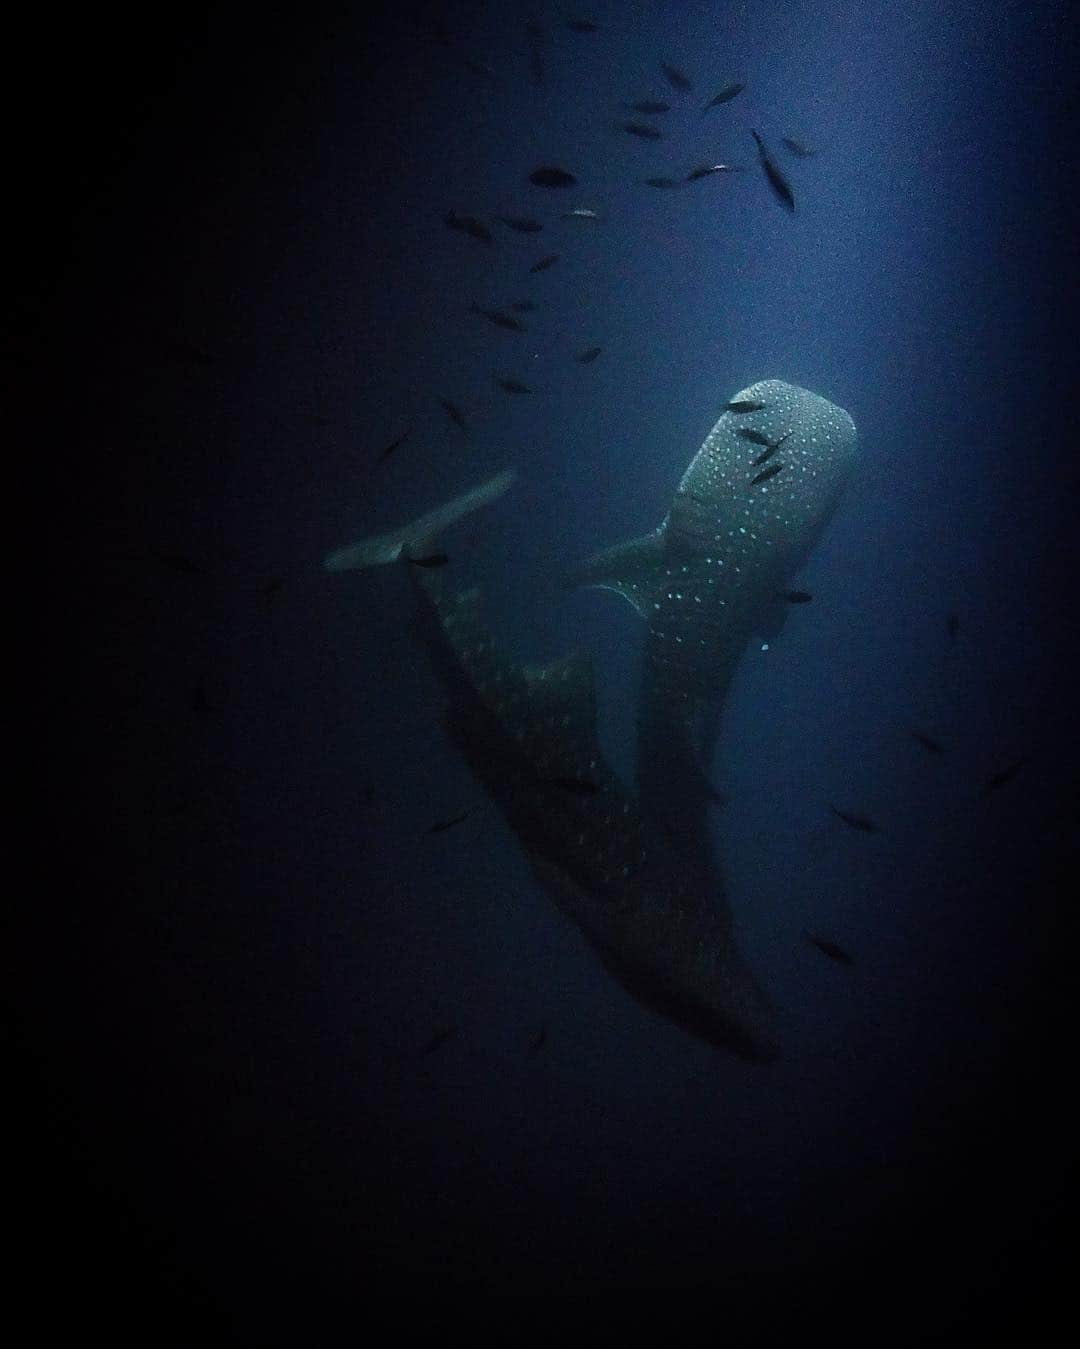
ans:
x=863 y=823
x=830 y=949
x=703 y=172
x=725 y=95
x=710 y=577
x=653 y=911
x=549 y=175
x=468 y=224
x=499 y=319
x=523 y=224
x=779 y=184
x=1003 y=776
x=510 y=385
x=642 y=129
x=769 y=451
x=676 y=78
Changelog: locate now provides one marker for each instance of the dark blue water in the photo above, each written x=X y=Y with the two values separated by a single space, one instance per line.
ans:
x=294 y=1051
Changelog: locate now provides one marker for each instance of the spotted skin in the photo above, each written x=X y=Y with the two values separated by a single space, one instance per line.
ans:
x=638 y=872
x=655 y=915
x=709 y=576
x=738 y=541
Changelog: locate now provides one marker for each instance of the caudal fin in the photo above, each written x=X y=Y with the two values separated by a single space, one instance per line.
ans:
x=413 y=538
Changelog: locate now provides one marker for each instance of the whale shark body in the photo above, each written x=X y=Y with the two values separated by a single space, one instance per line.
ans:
x=637 y=869
x=713 y=574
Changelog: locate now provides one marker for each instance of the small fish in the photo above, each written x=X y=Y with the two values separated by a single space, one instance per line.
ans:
x=545 y=263
x=437 y=1041
x=860 y=822
x=649 y=106
x=798 y=596
x=757 y=437
x=550 y=176
x=745 y=405
x=523 y=224
x=724 y=96
x=468 y=224
x=581 y=213
x=582 y=25
x=661 y=182
x=455 y=414
x=270 y=588
x=576 y=786
x=389 y=450
x=777 y=181
x=511 y=385
x=441 y=826
x=952 y=625
x=587 y=356
x=1004 y=775
x=675 y=77
x=432 y=560
x=523 y=306
x=706 y=169
x=500 y=319
x=766 y=474
x=538 y=1042
x=928 y=742
x=771 y=450
x=642 y=129
x=796 y=147
x=830 y=949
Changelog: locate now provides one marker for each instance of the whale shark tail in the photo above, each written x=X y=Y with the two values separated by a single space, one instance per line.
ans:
x=411 y=539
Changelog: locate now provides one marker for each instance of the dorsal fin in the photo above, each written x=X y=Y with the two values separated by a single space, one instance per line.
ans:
x=630 y=569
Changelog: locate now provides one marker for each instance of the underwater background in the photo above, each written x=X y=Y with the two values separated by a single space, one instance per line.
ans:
x=288 y=1045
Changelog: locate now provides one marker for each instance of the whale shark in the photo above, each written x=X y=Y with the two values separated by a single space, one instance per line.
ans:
x=636 y=870
x=713 y=574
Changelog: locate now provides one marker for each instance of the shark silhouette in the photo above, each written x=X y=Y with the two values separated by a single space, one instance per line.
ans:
x=637 y=871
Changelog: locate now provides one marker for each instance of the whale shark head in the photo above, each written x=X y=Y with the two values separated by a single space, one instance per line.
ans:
x=744 y=517
x=765 y=482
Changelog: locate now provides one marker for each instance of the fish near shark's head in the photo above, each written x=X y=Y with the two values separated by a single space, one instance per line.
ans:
x=765 y=481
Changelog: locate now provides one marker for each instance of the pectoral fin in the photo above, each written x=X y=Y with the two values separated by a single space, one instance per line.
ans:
x=629 y=569
x=412 y=539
